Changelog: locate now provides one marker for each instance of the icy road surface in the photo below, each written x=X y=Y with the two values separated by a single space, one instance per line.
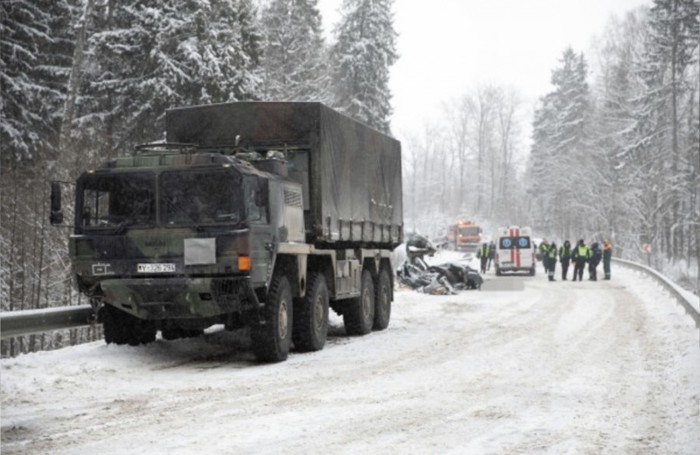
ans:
x=578 y=368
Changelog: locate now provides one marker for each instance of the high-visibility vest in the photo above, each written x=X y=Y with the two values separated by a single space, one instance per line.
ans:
x=582 y=251
x=564 y=252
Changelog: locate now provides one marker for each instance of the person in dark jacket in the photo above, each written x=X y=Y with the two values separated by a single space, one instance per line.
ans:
x=580 y=255
x=543 y=248
x=596 y=256
x=551 y=258
x=483 y=254
x=492 y=254
x=607 y=256
x=565 y=258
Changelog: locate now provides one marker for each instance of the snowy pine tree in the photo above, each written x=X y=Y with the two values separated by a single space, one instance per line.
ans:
x=33 y=49
x=295 y=52
x=35 y=52
x=562 y=169
x=148 y=56
x=663 y=132
x=364 y=51
x=616 y=88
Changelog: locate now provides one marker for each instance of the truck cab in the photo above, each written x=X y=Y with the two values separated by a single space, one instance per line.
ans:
x=465 y=235
x=179 y=239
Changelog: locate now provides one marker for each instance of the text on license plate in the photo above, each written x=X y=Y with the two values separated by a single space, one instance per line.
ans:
x=155 y=268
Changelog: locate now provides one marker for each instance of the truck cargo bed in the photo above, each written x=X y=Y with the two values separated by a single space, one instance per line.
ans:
x=350 y=173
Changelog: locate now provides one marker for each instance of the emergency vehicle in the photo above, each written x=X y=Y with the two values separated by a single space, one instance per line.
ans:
x=515 y=250
x=464 y=235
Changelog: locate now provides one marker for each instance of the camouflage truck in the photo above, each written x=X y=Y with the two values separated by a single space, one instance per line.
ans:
x=250 y=214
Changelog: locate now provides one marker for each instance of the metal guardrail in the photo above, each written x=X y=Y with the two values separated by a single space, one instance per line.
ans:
x=668 y=284
x=16 y=323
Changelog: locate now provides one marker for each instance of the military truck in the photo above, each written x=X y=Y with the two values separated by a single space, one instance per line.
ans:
x=250 y=214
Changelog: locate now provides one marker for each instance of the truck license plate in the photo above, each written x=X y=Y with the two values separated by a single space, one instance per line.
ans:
x=155 y=268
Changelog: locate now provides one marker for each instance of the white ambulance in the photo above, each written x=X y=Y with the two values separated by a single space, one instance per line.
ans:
x=515 y=251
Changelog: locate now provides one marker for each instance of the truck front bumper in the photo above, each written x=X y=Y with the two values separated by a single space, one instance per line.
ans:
x=180 y=297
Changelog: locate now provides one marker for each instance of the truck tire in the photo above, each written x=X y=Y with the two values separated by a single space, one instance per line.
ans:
x=122 y=328
x=271 y=339
x=358 y=316
x=115 y=331
x=382 y=301
x=311 y=315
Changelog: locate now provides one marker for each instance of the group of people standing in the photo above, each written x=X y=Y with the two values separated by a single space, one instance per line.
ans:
x=579 y=255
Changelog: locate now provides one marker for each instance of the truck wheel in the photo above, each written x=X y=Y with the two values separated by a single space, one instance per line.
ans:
x=144 y=333
x=311 y=316
x=382 y=308
x=114 y=326
x=122 y=328
x=272 y=338
x=358 y=316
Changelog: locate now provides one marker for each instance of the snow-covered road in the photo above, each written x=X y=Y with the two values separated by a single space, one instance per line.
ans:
x=590 y=367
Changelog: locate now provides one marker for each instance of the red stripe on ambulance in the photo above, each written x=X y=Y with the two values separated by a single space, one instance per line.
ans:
x=515 y=252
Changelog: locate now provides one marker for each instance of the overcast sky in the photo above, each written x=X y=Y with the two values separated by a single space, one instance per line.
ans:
x=447 y=47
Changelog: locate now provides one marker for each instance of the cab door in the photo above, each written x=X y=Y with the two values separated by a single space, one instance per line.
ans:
x=262 y=240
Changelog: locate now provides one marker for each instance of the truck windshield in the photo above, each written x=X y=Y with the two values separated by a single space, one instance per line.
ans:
x=469 y=231
x=117 y=200
x=200 y=197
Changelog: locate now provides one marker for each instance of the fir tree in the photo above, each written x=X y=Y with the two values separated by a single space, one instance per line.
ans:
x=562 y=163
x=33 y=48
x=364 y=51
x=662 y=133
x=149 y=56
x=295 y=52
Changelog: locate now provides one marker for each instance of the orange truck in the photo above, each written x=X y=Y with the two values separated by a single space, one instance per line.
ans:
x=464 y=235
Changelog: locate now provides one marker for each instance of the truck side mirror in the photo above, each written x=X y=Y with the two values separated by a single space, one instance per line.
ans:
x=56 y=216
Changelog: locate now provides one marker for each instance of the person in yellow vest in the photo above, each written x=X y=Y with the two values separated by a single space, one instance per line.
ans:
x=580 y=255
x=483 y=254
x=544 y=247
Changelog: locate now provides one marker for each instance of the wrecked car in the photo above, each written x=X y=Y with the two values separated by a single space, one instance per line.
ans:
x=439 y=279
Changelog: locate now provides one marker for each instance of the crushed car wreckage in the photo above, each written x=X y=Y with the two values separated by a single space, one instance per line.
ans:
x=440 y=279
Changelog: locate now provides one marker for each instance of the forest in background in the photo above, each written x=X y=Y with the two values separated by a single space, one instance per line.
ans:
x=614 y=152
x=616 y=155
